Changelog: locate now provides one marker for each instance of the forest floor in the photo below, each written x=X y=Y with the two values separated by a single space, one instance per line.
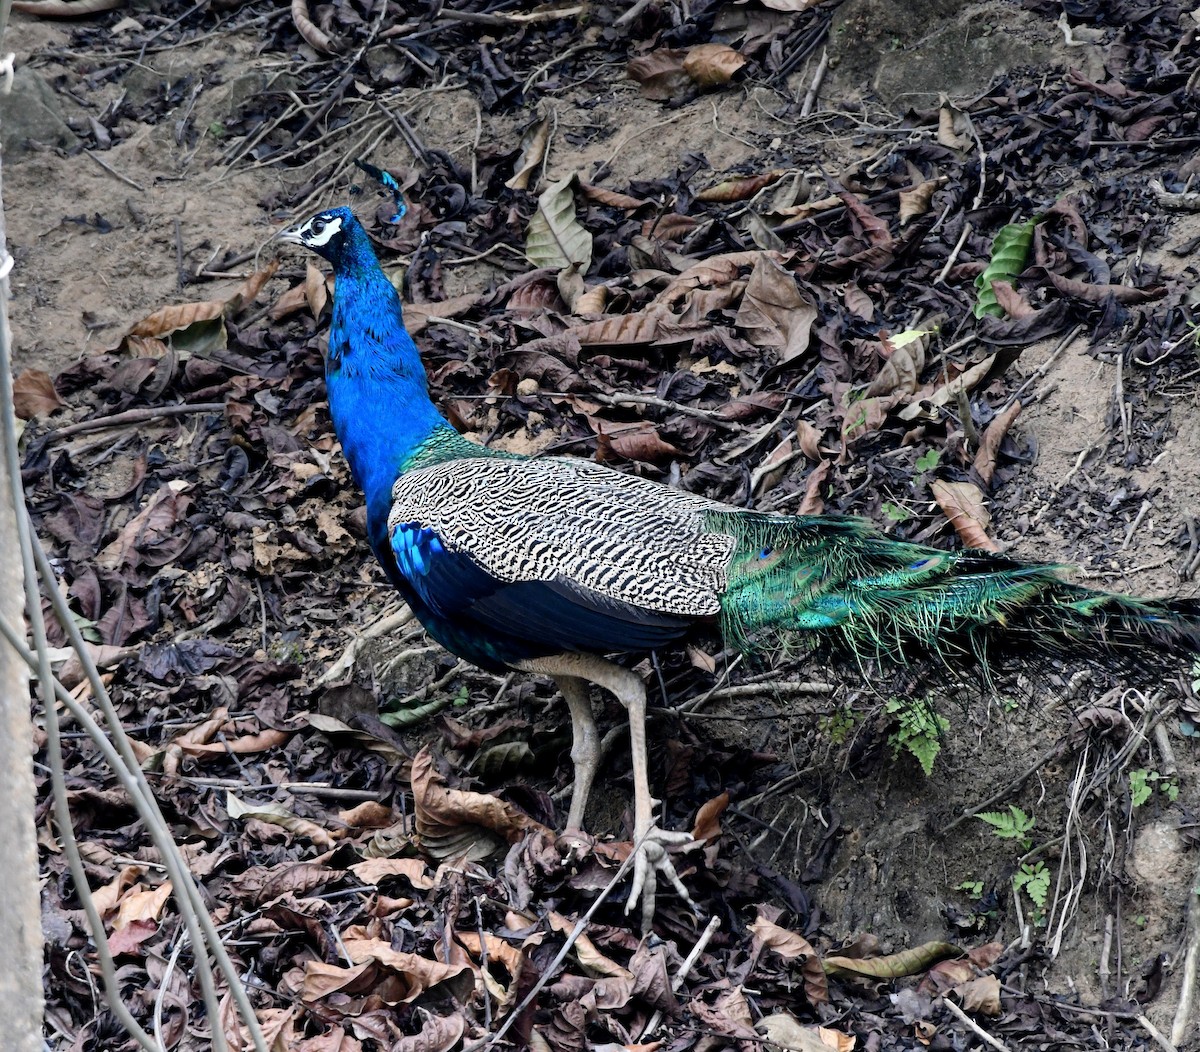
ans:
x=746 y=266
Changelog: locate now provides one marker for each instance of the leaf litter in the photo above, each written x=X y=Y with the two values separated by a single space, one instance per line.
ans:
x=747 y=336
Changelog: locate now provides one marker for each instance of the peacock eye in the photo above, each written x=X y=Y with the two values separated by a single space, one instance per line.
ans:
x=318 y=226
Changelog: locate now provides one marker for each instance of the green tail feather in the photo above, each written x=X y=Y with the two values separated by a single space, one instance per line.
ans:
x=794 y=576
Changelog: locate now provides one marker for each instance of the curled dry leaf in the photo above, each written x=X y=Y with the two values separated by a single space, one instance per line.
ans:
x=786 y=1032
x=143 y=905
x=660 y=73
x=604 y=196
x=534 y=141
x=965 y=508
x=708 y=818
x=278 y=815
x=34 y=395
x=182 y=315
x=374 y=870
x=639 y=442
x=740 y=188
x=980 y=996
x=901 y=373
x=916 y=202
x=711 y=65
x=989 y=444
x=316 y=37
x=590 y=959
x=439 y=1033
x=454 y=823
x=813 y=503
x=893 y=965
x=791 y=945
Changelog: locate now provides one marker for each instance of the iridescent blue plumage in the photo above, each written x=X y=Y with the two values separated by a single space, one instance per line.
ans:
x=547 y=564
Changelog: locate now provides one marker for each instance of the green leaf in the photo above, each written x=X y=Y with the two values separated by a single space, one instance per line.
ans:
x=1035 y=879
x=928 y=460
x=1140 y=787
x=1011 y=826
x=1010 y=250
x=895 y=512
x=920 y=730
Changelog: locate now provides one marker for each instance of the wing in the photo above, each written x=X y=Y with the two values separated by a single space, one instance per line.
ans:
x=561 y=552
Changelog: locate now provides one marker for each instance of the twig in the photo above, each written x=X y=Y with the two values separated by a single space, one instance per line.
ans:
x=134 y=416
x=113 y=172
x=1152 y=1030
x=814 y=88
x=1191 y=965
x=632 y=13
x=1008 y=789
x=685 y=970
x=970 y=1023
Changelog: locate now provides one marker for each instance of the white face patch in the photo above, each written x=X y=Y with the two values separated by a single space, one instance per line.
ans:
x=320 y=231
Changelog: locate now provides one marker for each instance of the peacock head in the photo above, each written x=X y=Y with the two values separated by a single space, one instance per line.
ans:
x=327 y=233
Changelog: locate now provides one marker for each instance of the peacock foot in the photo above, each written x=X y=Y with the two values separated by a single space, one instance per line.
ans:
x=653 y=857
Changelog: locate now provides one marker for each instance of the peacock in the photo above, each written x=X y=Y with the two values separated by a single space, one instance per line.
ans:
x=551 y=565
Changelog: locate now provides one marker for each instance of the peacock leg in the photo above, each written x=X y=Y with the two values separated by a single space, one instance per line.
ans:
x=652 y=854
x=585 y=744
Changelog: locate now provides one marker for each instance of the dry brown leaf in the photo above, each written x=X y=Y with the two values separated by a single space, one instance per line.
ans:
x=894 y=965
x=180 y=315
x=243 y=744
x=809 y=437
x=786 y=1032
x=612 y=199
x=370 y=814
x=534 y=140
x=989 y=443
x=739 y=188
x=439 y=1033
x=417 y=973
x=374 y=870
x=639 y=442
x=591 y=960
x=711 y=65
x=500 y=951
x=291 y=302
x=813 y=503
x=1011 y=301
x=1090 y=293
x=774 y=312
x=152 y=525
x=278 y=815
x=964 y=506
x=916 y=201
x=980 y=996
x=144 y=905
x=317 y=290
x=948 y=391
x=954 y=127
x=708 y=818
x=34 y=395
x=593 y=300
x=454 y=823
x=107 y=897
x=791 y=945
x=660 y=73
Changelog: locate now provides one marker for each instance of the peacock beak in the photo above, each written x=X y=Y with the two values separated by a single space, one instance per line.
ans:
x=291 y=235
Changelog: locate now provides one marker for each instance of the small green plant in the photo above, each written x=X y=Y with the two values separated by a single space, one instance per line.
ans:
x=461 y=697
x=972 y=888
x=838 y=725
x=928 y=460
x=1142 y=783
x=919 y=732
x=1034 y=878
x=895 y=512
x=1015 y=825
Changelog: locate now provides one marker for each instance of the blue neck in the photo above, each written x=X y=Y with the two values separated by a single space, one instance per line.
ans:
x=378 y=396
